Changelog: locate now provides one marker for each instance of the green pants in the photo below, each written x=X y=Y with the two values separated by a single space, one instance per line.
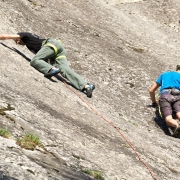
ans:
x=53 y=50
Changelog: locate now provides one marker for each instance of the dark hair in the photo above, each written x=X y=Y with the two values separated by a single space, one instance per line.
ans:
x=178 y=67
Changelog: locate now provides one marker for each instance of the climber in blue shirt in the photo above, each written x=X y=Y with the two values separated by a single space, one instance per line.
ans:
x=169 y=100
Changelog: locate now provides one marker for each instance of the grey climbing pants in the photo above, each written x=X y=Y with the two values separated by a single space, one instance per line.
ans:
x=169 y=103
x=53 y=50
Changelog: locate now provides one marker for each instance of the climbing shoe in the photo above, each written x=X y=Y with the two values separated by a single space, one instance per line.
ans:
x=176 y=132
x=89 y=89
x=51 y=73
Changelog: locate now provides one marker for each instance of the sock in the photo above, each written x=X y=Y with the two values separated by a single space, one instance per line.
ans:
x=53 y=71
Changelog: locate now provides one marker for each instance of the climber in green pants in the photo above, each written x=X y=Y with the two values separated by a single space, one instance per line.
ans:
x=50 y=58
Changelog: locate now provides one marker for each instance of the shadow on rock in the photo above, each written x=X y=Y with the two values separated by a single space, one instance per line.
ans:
x=17 y=51
x=161 y=122
x=60 y=78
x=4 y=177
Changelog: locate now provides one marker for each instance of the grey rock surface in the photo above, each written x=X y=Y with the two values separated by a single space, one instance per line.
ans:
x=121 y=47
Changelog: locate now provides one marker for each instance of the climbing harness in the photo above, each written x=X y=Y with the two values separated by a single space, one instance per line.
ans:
x=51 y=45
x=62 y=56
x=113 y=125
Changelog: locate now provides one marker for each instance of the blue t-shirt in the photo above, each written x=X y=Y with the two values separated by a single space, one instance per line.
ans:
x=169 y=80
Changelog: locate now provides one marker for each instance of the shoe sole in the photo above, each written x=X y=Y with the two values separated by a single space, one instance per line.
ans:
x=176 y=132
x=49 y=75
x=89 y=93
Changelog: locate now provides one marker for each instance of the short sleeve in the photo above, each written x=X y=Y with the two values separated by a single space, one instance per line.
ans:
x=159 y=80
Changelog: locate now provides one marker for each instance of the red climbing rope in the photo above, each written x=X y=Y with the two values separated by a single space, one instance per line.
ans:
x=113 y=125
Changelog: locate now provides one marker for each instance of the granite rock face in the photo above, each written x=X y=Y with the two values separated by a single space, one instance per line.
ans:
x=121 y=47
